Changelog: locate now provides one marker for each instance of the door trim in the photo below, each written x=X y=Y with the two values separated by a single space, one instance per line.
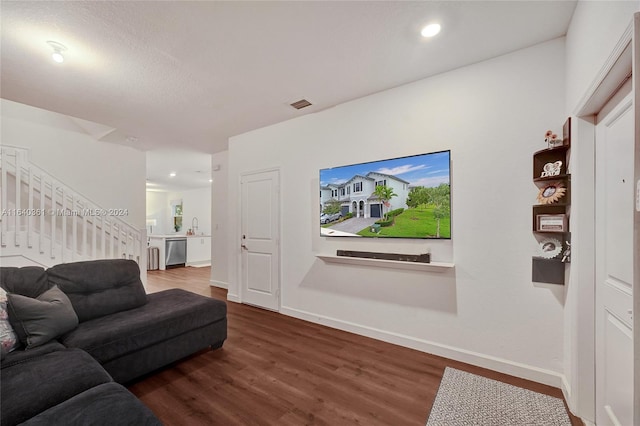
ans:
x=636 y=217
x=237 y=244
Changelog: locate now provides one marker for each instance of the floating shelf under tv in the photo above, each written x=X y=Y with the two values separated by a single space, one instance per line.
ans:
x=382 y=263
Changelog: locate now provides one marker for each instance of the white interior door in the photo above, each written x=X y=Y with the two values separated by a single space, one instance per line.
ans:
x=614 y=259
x=260 y=236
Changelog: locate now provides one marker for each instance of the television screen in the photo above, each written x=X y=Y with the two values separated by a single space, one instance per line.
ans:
x=407 y=197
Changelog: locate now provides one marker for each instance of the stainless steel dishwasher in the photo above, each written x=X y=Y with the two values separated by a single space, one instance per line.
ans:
x=175 y=252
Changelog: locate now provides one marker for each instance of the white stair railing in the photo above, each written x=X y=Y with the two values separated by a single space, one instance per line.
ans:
x=45 y=220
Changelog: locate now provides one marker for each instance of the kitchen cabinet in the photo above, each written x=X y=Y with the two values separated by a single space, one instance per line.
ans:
x=198 y=250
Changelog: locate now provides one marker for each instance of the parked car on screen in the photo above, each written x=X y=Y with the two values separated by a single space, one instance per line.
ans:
x=326 y=218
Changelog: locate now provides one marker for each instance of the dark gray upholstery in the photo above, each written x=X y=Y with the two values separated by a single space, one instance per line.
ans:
x=104 y=405
x=99 y=287
x=123 y=334
x=41 y=382
x=168 y=314
x=18 y=356
x=151 y=358
x=37 y=321
x=30 y=281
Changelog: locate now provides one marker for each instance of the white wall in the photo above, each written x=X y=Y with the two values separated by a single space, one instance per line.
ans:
x=493 y=116
x=595 y=30
x=596 y=27
x=195 y=203
x=112 y=176
x=158 y=208
x=220 y=229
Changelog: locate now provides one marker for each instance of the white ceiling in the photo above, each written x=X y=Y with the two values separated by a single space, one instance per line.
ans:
x=192 y=169
x=187 y=75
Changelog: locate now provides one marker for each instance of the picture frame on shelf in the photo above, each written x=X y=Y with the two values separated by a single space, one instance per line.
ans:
x=551 y=223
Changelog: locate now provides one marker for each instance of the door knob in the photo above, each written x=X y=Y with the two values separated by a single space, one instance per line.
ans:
x=244 y=247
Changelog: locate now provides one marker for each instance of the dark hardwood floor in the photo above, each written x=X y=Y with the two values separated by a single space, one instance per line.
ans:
x=278 y=370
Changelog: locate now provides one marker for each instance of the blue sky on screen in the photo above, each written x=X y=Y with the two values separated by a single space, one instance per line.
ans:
x=428 y=170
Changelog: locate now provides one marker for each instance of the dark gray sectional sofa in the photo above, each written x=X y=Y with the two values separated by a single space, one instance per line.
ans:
x=122 y=334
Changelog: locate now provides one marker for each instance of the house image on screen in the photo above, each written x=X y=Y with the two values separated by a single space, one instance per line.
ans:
x=357 y=195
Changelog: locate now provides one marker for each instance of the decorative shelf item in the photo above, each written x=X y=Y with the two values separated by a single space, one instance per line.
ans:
x=551 y=213
x=551 y=178
x=548 y=163
x=392 y=264
x=552 y=192
x=550 y=248
x=551 y=223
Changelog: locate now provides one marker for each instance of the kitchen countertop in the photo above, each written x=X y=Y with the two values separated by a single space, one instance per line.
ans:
x=177 y=236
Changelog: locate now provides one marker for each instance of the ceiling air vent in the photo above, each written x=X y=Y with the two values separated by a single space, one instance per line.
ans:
x=302 y=103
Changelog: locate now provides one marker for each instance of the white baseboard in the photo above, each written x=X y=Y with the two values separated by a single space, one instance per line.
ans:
x=221 y=284
x=566 y=391
x=233 y=298
x=199 y=263
x=501 y=365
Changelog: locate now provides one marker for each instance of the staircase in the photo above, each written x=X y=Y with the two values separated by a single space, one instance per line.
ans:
x=44 y=222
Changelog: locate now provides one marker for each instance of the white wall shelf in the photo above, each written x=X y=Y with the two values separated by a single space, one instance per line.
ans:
x=382 y=263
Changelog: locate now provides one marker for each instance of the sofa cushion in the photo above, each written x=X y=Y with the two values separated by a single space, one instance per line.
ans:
x=30 y=281
x=39 y=320
x=41 y=382
x=103 y=405
x=100 y=287
x=168 y=314
x=19 y=356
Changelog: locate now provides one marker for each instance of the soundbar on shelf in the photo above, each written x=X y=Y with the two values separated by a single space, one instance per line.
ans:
x=418 y=258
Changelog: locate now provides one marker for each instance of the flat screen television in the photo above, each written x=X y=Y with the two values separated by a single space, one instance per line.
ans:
x=406 y=197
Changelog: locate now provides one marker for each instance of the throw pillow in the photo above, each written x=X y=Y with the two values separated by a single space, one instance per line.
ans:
x=37 y=321
x=8 y=338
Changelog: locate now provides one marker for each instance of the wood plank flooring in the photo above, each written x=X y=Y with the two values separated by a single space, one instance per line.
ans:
x=278 y=370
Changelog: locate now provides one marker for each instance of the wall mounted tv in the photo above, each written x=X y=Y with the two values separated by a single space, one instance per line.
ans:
x=406 y=197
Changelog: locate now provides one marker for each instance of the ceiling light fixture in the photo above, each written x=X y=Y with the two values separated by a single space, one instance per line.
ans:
x=430 y=30
x=172 y=174
x=57 y=51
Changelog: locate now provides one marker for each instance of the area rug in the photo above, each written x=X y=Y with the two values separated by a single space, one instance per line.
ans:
x=467 y=399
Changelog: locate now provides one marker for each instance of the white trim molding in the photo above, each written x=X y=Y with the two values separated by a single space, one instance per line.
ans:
x=583 y=107
x=220 y=284
x=233 y=298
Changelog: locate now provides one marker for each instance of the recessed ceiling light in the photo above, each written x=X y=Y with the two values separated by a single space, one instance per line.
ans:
x=430 y=30
x=57 y=51
x=210 y=180
x=172 y=174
